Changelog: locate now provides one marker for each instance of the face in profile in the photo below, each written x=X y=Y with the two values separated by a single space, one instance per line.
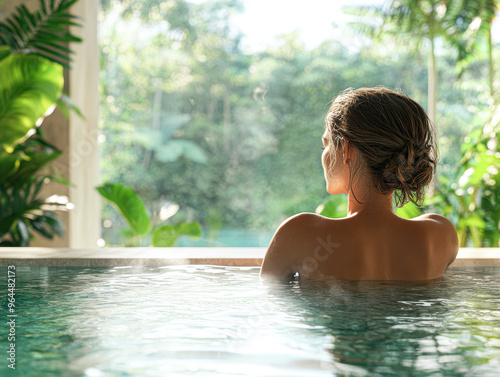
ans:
x=335 y=170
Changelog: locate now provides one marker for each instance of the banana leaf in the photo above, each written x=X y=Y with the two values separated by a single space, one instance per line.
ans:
x=129 y=204
x=29 y=87
x=167 y=235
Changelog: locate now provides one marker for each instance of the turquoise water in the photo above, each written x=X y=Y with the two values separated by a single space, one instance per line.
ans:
x=228 y=237
x=221 y=321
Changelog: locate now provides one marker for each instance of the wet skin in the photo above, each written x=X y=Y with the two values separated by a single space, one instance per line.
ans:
x=371 y=243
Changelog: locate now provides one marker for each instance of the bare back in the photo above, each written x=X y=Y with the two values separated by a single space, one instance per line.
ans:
x=362 y=248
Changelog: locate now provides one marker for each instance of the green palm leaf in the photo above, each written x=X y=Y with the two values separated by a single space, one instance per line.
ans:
x=4 y=52
x=129 y=204
x=21 y=211
x=43 y=32
x=409 y=211
x=25 y=161
x=21 y=202
x=166 y=235
x=29 y=86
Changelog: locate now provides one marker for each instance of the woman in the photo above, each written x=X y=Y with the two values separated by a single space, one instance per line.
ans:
x=377 y=143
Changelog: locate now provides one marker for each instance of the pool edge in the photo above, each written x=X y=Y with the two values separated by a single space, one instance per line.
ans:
x=147 y=256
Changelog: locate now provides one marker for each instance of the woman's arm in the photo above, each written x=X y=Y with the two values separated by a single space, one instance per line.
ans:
x=446 y=233
x=282 y=259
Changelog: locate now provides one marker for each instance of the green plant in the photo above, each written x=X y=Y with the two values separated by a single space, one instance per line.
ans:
x=33 y=53
x=259 y=129
x=133 y=210
x=471 y=198
x=29 y=87
x=43 y=32
x=336 y=207
x=423 y=24
x=22 y=209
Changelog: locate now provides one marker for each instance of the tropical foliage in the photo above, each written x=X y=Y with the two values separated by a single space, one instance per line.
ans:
x=468 y=193
x=43 y=32
x=131 y=207
x=33 y=52
x=232 y=136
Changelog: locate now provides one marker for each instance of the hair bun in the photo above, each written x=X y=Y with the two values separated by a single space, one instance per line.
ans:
x=409 y=168
x=394 y=137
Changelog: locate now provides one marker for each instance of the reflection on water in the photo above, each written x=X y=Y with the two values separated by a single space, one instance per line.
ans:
x=221 y=321
x=444 y=327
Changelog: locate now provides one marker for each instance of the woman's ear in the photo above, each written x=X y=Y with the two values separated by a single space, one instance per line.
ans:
x=348 y=151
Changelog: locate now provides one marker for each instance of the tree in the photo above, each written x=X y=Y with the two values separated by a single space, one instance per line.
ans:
x=258 y=117
x=414 y=22
x=475 y=32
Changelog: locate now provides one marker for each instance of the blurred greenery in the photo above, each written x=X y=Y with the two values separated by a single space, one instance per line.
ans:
x=233 y=137
x=22 y=208
x=131 y=207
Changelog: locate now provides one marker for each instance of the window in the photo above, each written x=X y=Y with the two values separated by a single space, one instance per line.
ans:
x=212 y=111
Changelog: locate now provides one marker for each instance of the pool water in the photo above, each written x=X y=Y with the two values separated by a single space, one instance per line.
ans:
x=222 y=321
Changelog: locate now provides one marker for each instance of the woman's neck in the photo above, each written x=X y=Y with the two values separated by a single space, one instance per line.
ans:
x=371 y=203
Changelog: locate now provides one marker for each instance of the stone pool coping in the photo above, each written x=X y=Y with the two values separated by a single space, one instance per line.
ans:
x=149 y=256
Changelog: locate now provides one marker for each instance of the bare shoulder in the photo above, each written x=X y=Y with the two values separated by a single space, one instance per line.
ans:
x=296 y=228
x=286 y=248
x=443 y=232
x=301 y=219
x=438 y=220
